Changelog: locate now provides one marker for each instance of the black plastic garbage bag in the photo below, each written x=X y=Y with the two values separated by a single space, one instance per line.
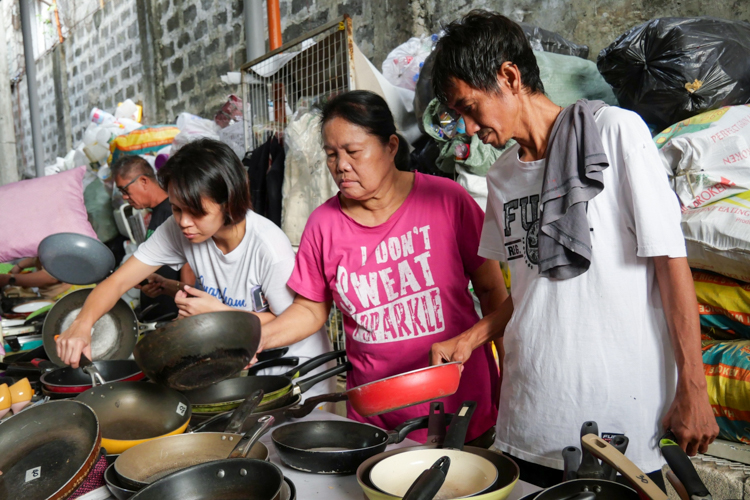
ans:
x=670 y=69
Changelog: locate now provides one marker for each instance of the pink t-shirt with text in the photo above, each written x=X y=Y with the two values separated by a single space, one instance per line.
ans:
x=402 y=286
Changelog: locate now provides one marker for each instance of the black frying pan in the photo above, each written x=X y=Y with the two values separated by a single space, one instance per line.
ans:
x=76 y=259
x=336 y=446
x=234 y=478
x=279 y=389
x=47 y=450
x=199 y=350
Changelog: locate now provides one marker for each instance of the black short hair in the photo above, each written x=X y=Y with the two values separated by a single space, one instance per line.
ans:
x=475 y=47
x=369 y=111
x=128 y=165
x=207 y=167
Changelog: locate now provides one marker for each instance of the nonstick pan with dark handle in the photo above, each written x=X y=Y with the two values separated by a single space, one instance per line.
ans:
x=279 y=389
x=336 y=446
x=47 y=450
x=199 y=350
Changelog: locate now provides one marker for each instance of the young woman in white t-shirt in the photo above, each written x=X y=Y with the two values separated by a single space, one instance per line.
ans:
x=242 y=260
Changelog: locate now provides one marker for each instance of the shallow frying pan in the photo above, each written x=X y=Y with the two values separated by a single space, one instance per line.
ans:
x=279 y=389
x=199 y=350
x=233 y=478
x=336 y=446
x=406 y=389
x=133 y=412
x=115 y=486
x=47 y=450
x=72 y=381
x=113 y=336
x=469 y=474
x=141 y=465
x=76 y=259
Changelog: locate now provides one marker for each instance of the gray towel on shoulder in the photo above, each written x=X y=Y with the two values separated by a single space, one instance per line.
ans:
x=573 y=176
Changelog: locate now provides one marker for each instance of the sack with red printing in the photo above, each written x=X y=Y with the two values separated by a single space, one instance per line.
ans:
x=708 y=155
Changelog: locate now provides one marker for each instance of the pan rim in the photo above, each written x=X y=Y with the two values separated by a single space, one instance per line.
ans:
x=349 y=450
x=355 y=389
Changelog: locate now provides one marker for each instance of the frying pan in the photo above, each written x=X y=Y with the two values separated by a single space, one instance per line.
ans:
x=586 y=488
x=73 y=381
x=607 y=453
x=469 y=474
x=133 y=412
x=141 y=465
x=406 y=389
x=47 y=450
x=199 y=350
x=507 y=471
x=114 y=334
x=76 y=259
x=336 y=446
x=279 y=389
x=245 y=478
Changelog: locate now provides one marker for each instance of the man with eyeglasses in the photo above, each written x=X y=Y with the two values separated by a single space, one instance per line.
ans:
x=136 y=180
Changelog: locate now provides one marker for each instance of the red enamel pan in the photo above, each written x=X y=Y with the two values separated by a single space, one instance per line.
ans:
x=406 y=389
x=75 y=381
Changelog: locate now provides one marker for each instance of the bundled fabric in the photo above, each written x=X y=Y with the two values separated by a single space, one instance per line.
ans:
x=708 y=156
x=717 y=236
x=145 y=140
x=723 y=304
x=672 y=68
x=727 y=369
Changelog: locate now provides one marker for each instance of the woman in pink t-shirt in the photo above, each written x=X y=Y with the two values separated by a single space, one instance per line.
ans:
x=395 y=251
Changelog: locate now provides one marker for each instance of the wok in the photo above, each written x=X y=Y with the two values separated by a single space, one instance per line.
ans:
x=113 y=336
x=47 y=450
x=76 y=259
x=279 y=389
x=133 y=412
x=199 y=350
x=405 y=389
x=141 y=465
x=336 y=446
x=72 y=381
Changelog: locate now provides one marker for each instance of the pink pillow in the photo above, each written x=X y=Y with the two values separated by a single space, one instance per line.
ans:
x=32 y=210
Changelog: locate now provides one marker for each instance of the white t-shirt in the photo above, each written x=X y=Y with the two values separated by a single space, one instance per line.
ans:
x=264 y=258
x=594 y=347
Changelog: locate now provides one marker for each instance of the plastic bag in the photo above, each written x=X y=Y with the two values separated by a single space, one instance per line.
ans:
x=97 y=201
x=193 y=127
x=542 y=40
x=727 y=370
x=230 y=113
x=708 y=156
x=672 y=68
x=145 y=140
x=234 y=137
x=723 y=305
x=403 y=64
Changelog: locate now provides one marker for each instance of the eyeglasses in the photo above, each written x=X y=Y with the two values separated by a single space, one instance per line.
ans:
x=124 y=189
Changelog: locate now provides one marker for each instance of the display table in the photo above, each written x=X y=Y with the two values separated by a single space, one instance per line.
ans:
x=337 y=487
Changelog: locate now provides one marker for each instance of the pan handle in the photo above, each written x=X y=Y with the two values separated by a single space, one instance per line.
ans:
x=399 y=433
x=459 y=426
x=310 y=404
x=91 y=369
x=311 y=381
x=250 y=438
x=683 y=468
x=313 y=363
x=429 y=482
x=243 y=411
x=620 y=443
x=271 y=363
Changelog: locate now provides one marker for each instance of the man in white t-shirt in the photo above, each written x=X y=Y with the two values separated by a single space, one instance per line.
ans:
x=619 y=343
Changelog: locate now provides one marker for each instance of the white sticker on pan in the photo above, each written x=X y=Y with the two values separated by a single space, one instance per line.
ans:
x=181 y=409
x=463 y=411
x=33 y=473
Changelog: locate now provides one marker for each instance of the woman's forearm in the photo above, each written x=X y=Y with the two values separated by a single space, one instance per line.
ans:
x=300 y=320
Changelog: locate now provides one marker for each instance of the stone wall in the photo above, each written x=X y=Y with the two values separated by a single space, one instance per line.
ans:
x=169 y=54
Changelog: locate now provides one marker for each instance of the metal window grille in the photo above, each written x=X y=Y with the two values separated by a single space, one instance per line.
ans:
x=300 y=74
